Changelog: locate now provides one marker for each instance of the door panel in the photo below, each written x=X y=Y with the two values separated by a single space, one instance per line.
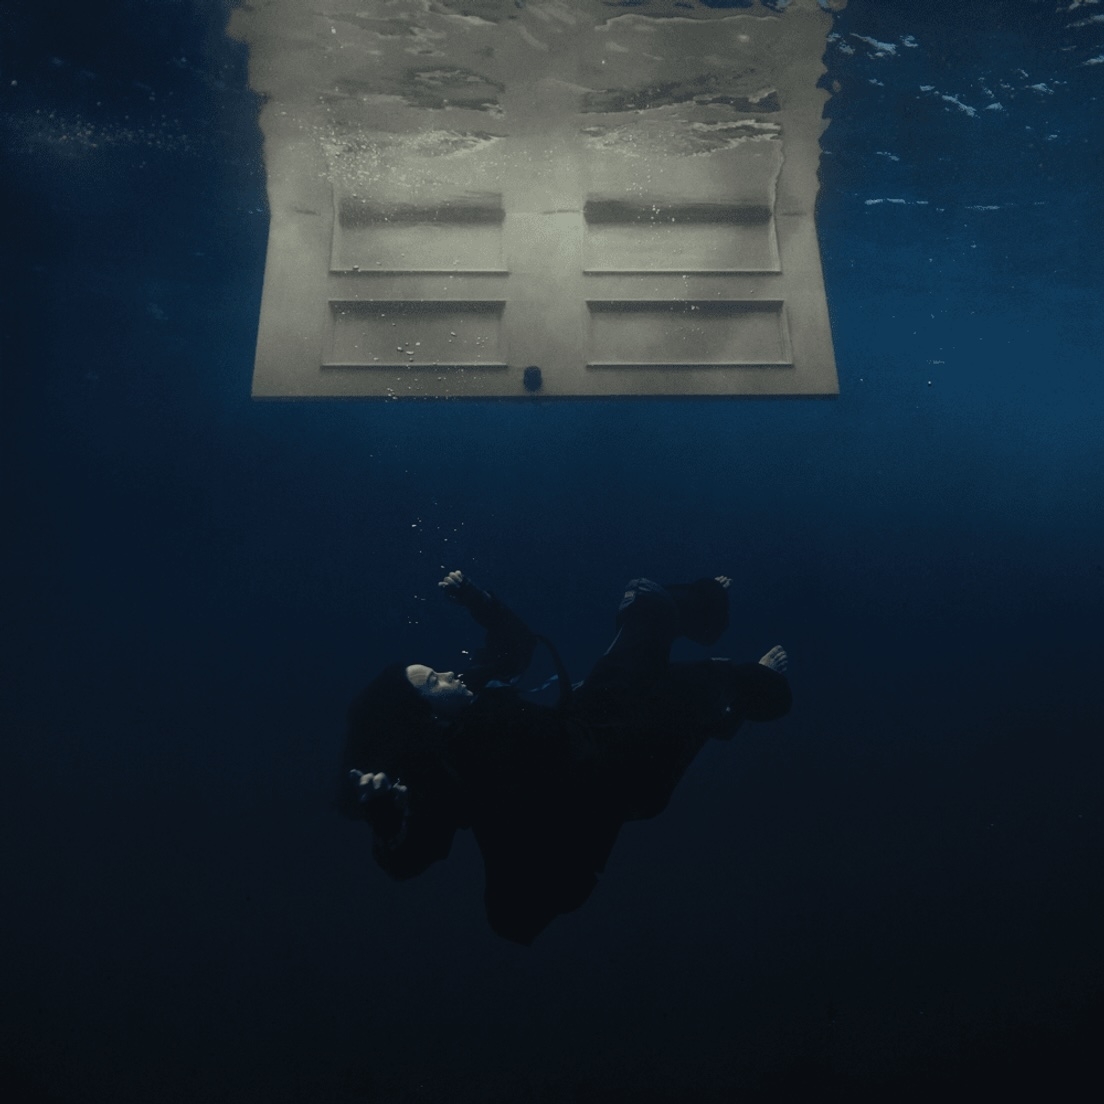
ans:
x=708 y=332
x=622 y=196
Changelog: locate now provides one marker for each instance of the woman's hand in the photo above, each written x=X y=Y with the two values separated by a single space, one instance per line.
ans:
x=372 y=787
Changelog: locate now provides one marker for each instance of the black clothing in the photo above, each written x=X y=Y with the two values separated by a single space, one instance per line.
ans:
x=546 y=789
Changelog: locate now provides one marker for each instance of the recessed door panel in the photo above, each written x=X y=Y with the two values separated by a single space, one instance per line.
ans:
x=704 y=333
x=462 y=234
x=388 y=334
x=660 y=236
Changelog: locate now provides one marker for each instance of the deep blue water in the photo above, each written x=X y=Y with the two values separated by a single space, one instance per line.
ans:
x=895 y=890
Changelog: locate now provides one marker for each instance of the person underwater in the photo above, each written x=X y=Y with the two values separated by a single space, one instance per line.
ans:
x=546 y=788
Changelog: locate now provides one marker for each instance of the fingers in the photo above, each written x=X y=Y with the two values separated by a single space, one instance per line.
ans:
x=776 y=659
x=370 y=786
x=724 y=580
x=452 y=582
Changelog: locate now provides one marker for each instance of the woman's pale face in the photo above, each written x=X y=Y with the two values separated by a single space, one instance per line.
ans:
x=444 y=690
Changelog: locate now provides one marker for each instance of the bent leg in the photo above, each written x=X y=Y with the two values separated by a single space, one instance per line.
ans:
x=647 y=624
x=651 y=617
x=718 y=695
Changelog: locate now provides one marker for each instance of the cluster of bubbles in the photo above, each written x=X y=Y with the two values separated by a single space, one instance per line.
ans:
x=75 y=134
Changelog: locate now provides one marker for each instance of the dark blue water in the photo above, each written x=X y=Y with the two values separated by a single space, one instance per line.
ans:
x=894 y=891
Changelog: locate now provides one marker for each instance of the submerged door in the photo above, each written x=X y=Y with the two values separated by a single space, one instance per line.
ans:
x=619 y=195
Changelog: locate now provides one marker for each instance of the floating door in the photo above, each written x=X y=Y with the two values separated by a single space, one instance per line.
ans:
x=622 y=197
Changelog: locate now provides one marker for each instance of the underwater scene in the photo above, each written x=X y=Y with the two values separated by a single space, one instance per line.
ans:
x=553 y=550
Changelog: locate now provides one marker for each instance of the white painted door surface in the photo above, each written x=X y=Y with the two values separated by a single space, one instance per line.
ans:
x=622 y=197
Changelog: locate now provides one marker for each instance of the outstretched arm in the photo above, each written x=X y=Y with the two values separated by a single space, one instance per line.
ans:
x=508 y=647
x=458 y=588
